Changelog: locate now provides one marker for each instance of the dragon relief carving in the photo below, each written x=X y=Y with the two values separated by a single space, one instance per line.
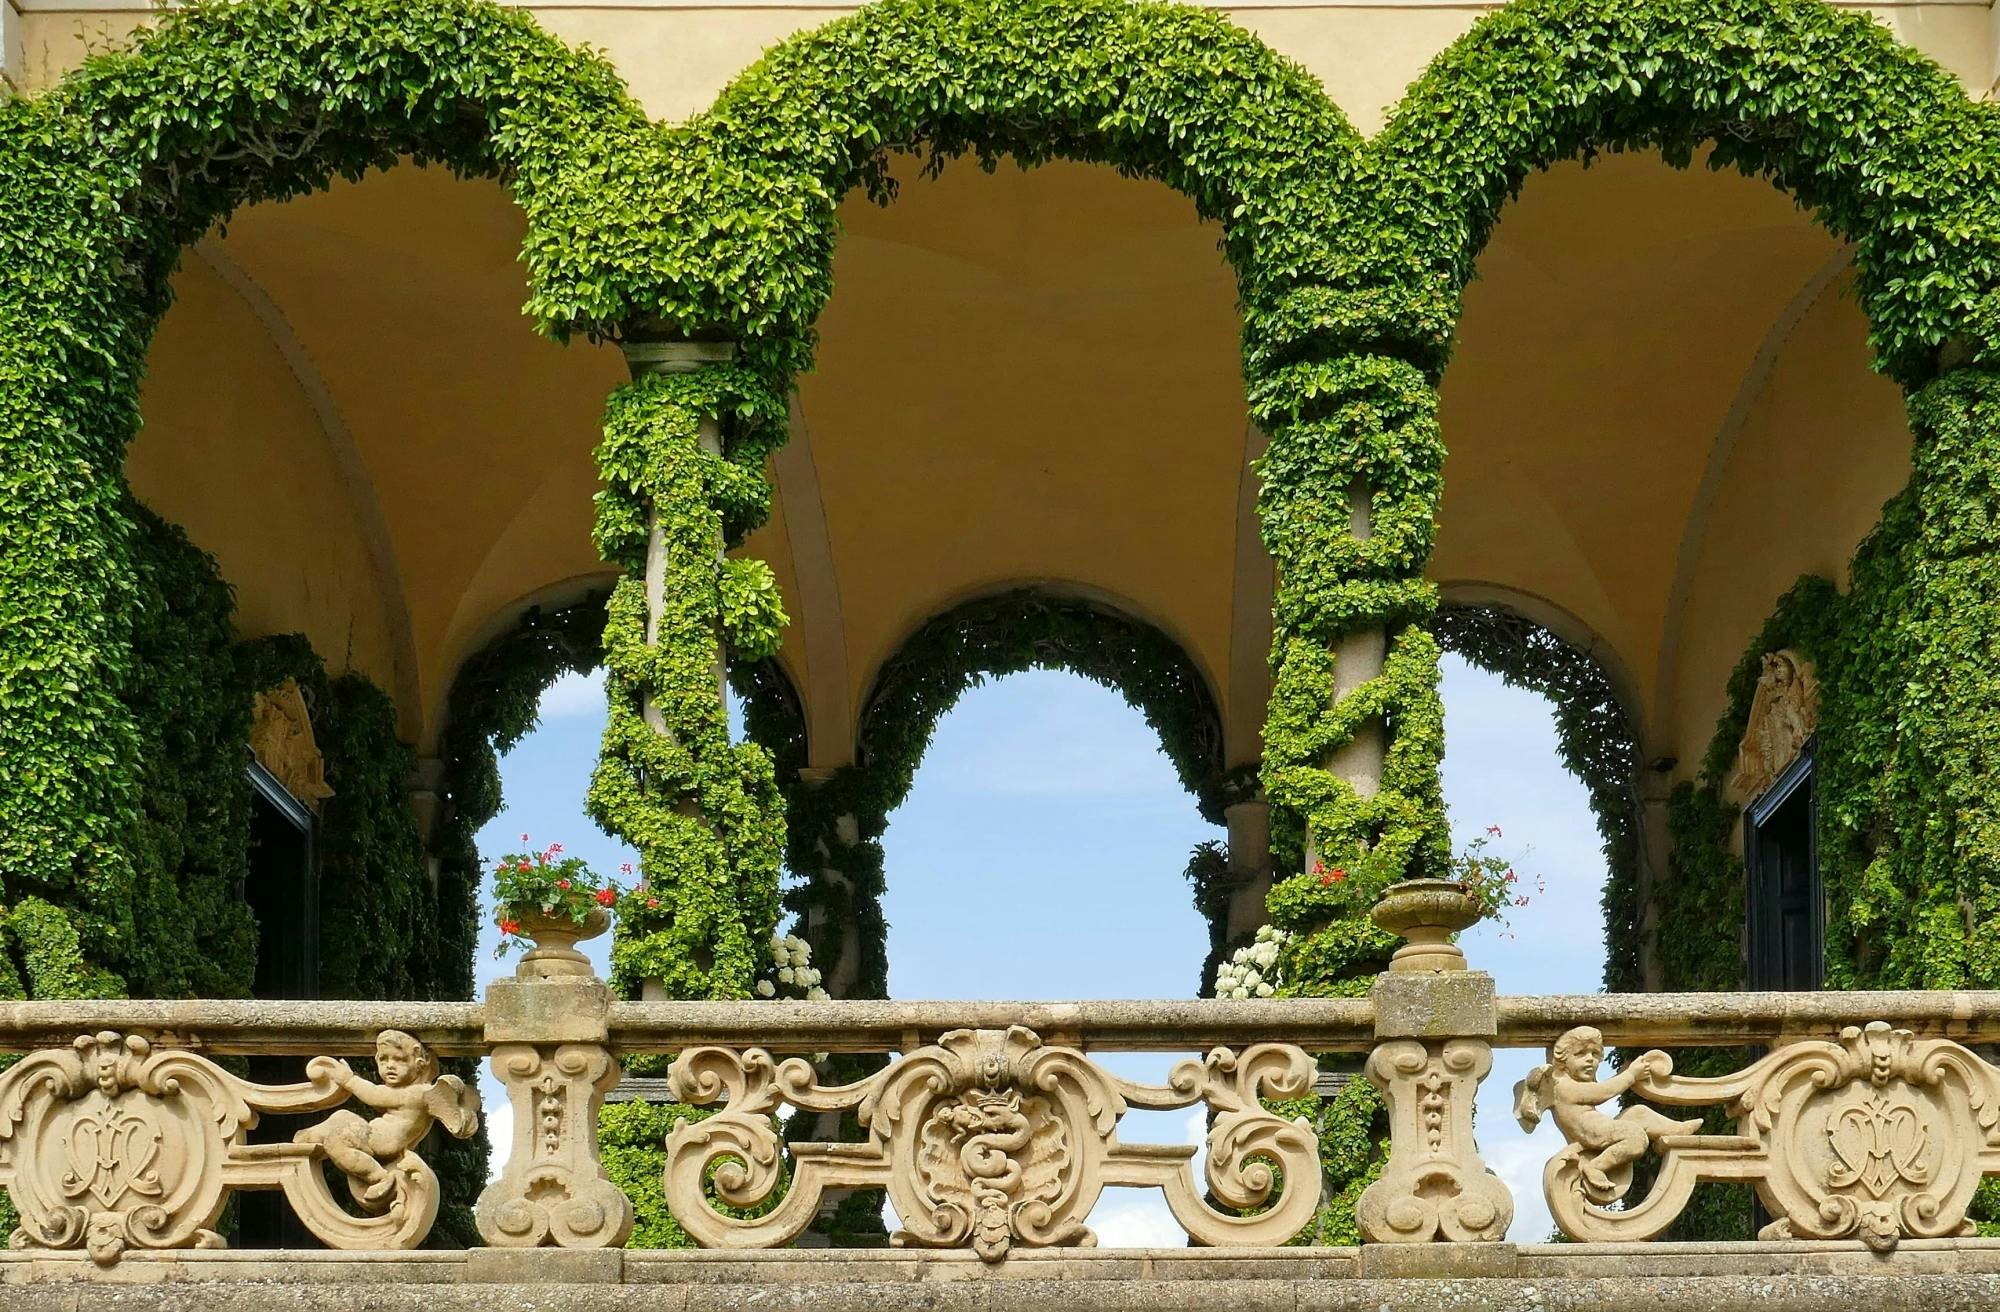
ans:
x=1878 y=1136
x=987 y=1155
x=988 y=1139
x=112 y=1144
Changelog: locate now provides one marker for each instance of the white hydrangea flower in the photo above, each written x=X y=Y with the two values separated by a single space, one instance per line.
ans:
x=807 y=976
x=766 y=989
x=786 y=975
x=817 y=995
x=1252 y=971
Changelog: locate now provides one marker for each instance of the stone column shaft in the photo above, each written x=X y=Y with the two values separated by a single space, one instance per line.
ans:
x=1359 y=657
x=1250 y=868
x=673 y=357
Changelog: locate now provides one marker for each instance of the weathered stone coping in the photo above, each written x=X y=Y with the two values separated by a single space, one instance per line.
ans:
x=1921 y=1276
x=1723 y=1018
x=234 y=1027
x=228 y=1027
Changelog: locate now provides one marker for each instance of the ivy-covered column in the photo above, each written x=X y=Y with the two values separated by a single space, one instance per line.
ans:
x=1356 y=731
x=1355 y=734
x=683 y=464
x=831 y=917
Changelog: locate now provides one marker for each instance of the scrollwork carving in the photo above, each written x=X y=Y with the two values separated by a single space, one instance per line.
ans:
x=112 y=1144
x=988 y=1139
x=1877 y=1136
x=554 y=1190
x=1434 y=1185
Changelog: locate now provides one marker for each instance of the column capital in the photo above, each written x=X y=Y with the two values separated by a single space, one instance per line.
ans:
x=654 y=355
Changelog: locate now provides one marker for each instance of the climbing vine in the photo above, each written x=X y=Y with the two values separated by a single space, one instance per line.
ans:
x=704 y=813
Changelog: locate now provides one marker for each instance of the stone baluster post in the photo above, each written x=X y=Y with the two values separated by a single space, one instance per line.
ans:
x=1434 y=1022
x=549 y=1027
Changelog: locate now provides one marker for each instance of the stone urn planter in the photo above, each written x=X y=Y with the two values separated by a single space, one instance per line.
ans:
x=1427 y=912
x=555 y=937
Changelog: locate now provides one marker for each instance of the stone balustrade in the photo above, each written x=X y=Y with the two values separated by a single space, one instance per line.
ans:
x=1865 y=1123
x=1870 y=1116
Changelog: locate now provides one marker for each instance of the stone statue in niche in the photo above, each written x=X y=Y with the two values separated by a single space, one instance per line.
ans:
x=281 y=738
x=1783 y=715
x=1568 y=1089
x=411 y=1095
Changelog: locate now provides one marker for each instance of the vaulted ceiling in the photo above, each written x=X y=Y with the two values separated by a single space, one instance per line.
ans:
x=1659 y=414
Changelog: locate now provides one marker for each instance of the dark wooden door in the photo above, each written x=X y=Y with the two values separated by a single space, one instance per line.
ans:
x=281 y=887
x=1786 y=899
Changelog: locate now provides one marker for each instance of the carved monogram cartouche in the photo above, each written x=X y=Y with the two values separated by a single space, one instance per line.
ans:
x=112 y=1144
x=990 y=1139
x=1878 y=1136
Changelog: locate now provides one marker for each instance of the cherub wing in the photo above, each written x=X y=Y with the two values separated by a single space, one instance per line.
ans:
x=453 y=1104
x=1531 y=1098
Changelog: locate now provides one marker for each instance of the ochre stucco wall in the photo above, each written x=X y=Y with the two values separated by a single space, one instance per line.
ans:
x=232 y=451
x=1825 y=443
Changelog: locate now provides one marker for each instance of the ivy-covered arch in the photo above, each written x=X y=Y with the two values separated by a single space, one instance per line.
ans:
x=1881 y=144
x=1890 y=154
x=836 y=818
x=1184 y=97
x=102 y=181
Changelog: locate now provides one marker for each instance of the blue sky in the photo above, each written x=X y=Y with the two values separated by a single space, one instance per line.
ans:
x=1039 y=856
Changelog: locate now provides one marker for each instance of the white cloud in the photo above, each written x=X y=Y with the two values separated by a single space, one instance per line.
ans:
x=574 y=694
x=499 y=1125
x=1518 y=1162
x=1136 y=1218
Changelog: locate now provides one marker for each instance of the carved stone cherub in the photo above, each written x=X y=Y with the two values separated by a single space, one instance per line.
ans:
x=1568 y=1088
x=410 y=1097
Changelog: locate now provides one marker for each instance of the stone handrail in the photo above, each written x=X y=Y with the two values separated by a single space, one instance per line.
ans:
x=989 y=1124
x=229 y=1027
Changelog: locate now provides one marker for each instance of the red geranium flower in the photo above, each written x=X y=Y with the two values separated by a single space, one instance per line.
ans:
x=510 y=927
x=563 y=884
x=652 y=902
x=606 y=896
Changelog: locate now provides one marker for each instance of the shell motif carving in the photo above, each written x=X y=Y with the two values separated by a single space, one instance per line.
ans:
x=987 y=1140
x=110 y=1144
x=1877 y=1136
